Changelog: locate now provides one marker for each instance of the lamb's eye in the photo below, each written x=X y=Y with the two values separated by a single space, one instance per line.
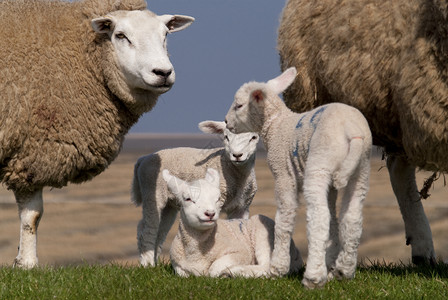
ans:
x=238 y=106
x=187 y=199
x=254 y=138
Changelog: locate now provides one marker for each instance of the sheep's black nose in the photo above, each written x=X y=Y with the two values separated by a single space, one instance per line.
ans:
x=162 y=73
x=237 y=155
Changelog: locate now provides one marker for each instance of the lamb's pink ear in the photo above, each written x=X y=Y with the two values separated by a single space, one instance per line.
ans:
x=212 y=127
x=281 y=83
x=257 y=95
x=212 y=176
x=173 y=183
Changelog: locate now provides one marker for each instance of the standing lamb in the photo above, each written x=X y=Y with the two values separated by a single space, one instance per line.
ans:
x=235 y=163
x=205 y=245
x=74 y=77
x=389 y=59
x=317 y=153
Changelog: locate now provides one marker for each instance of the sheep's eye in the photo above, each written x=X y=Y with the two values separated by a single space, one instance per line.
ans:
x=188 y=199
x=226 y=137
x=238 y=106
x=122 y=36
x=254 y=137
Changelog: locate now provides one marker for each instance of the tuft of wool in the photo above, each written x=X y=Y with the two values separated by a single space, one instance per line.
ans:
x=389 y=59
x=65 y=120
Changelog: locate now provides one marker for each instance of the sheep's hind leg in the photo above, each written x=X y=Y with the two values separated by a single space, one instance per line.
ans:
x=30 y=206
x=418 y=231
x=350 y=226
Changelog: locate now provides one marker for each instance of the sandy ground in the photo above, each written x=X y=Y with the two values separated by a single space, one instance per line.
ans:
x=96 y=223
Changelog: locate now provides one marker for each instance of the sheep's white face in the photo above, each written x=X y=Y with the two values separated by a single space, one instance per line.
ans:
x=139 y=42
x=239 y=147
x=200 y=206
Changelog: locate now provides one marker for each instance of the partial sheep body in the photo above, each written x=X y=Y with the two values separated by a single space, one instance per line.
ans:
x=389 y=60
x=317 y=153
x=214 y=247
x=234 y=162
x=68 y=95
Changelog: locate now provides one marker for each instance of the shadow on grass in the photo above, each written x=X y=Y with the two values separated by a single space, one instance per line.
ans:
x=439 y=269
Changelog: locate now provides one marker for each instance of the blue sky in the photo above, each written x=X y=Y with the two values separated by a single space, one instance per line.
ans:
x=231 y=42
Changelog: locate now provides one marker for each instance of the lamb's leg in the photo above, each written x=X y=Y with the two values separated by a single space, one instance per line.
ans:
x=147 y=232
x=167 y=219
x=31 y=208
x=286 y=198
x=418 y=231
x=315 y=191
x=333 y=246
x=350 y=226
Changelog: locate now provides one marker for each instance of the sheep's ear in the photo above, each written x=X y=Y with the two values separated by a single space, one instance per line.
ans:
x=212 y=176
x=173 y=183
x=212 y=127
x=281 y=83
x=176 y=22
x=103 y=24
x=258 y=96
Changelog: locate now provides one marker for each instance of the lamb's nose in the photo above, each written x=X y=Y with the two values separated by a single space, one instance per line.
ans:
x=162 y=73
x=210 y=214
x=238 y=155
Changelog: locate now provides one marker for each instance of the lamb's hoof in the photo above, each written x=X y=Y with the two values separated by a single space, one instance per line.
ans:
x=311 y=283
x=339 y=275
x=423 y=261
x=18 y=263
x=277 y=270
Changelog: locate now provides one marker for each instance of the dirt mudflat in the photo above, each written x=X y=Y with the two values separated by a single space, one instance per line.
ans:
x=95 y=222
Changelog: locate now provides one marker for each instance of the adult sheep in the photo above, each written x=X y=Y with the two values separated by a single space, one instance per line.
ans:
x=389 y=59
x=74 y=77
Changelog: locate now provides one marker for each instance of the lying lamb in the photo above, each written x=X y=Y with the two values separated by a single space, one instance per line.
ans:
x=317 y=152
x=235 y=162
x=207 y=246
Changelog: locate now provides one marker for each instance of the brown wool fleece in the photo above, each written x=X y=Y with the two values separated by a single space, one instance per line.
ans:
x=64 y=106
x=387 y=58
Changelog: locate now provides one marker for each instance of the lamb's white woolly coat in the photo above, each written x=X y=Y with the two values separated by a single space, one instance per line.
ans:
x=316 y=153
x=159 y=206
x=205 y=245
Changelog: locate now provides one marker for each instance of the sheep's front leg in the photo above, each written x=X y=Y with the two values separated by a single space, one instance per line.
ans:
x=418 y=231
x=286 y=198
x=30 y=206
x=315 y=191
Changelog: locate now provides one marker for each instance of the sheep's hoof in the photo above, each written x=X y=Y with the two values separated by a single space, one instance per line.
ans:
x=423 y=261
x=310 y=283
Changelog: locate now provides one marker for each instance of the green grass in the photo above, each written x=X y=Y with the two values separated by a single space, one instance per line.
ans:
x=121 y=282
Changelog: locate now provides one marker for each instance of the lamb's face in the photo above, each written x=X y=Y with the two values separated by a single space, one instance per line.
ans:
x=246 y=113
x=240 y=147
x=139 y=43
x=200 y=206
x=256 y=102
